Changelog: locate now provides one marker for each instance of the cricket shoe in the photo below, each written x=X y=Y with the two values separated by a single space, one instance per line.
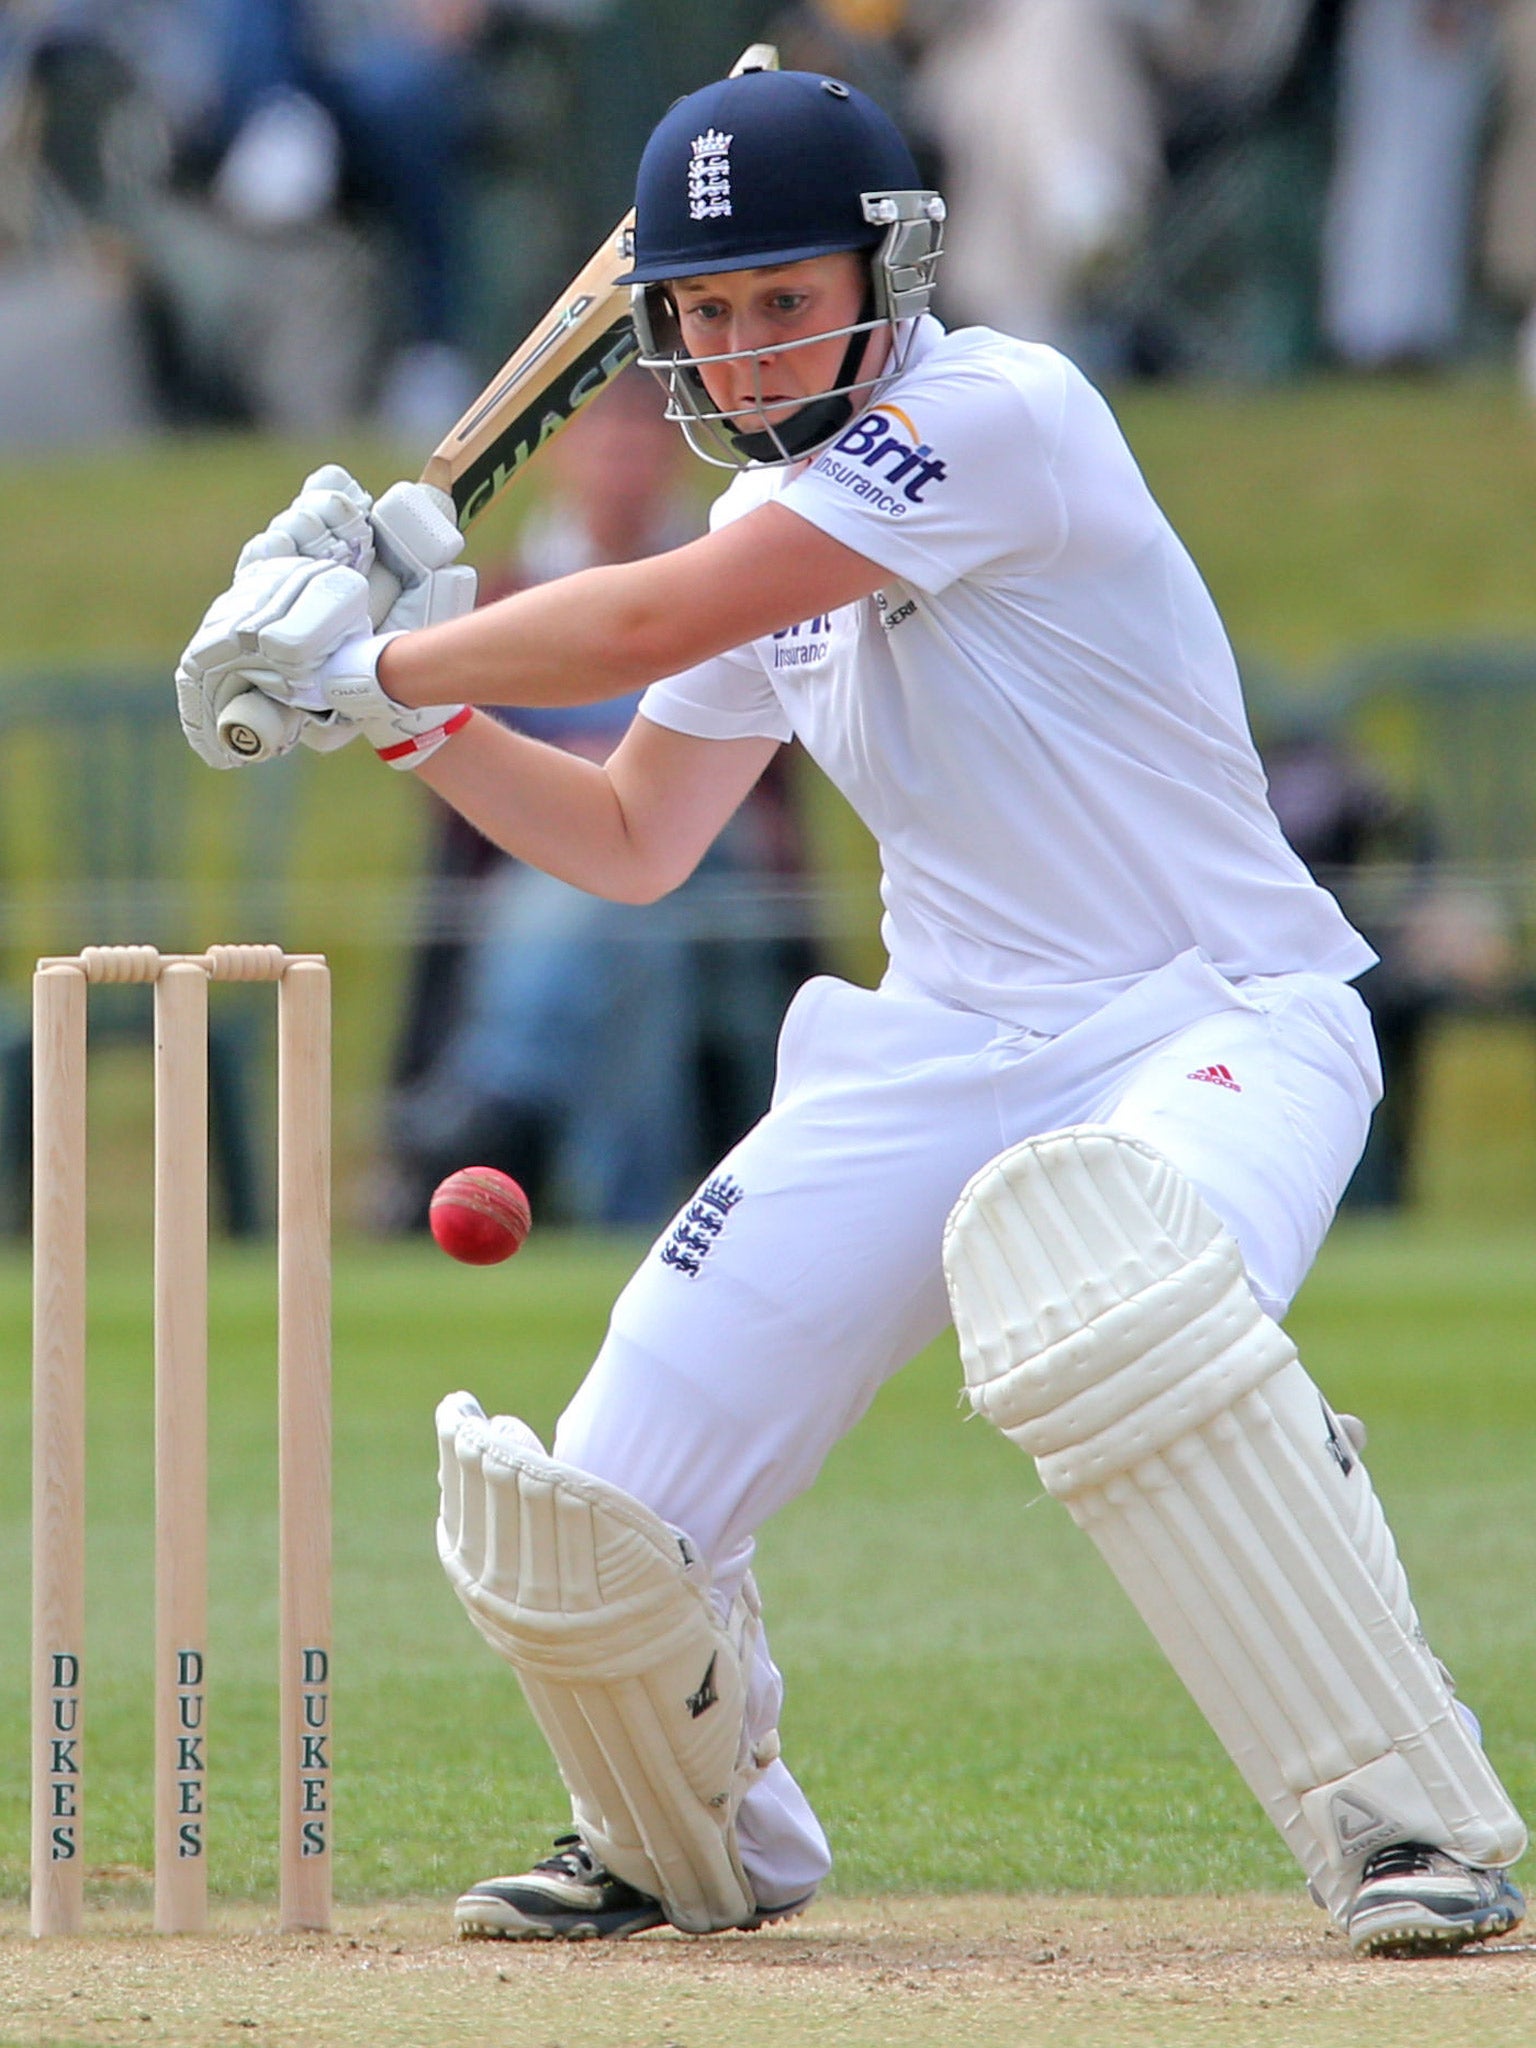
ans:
x=571 y=1897
x=1417 y=1901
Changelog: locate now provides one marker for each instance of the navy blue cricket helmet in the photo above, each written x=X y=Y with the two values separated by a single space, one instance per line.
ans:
x=777 y=167
x=765 y=168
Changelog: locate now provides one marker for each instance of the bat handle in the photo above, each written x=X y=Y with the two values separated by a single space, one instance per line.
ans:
x=256 y=726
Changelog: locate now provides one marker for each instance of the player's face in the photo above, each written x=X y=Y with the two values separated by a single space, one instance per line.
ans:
x=766 y=341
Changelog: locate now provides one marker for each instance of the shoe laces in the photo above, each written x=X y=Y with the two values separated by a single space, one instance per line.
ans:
x=572 y=1858
x=1402 y=1859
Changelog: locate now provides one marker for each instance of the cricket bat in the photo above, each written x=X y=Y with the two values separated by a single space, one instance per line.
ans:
x=576 y=351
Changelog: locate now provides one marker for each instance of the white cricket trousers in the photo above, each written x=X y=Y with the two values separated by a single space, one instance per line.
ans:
x=807 y=1270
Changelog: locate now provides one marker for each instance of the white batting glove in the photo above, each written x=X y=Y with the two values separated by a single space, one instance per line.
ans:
x=405 y=545
x=401 y=543
x=416 y=543
x=348 y=687
x=414 y=539
x=344 y=697
x=269 y=632
x=328 y=521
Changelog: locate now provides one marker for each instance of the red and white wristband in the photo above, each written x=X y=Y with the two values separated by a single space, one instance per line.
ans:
x=411 y=752
x=349 y=684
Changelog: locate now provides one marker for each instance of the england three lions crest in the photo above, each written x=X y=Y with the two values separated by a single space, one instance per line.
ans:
x=692 y=1238
x=709 y=175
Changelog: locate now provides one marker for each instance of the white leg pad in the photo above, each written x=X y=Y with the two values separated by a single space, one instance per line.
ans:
x=1107 y=1327
x=636 y=1683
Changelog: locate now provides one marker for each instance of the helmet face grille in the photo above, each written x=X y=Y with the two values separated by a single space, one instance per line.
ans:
x=911 y=227
x=767 y=168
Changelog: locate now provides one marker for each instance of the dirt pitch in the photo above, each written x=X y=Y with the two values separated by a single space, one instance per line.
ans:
x=900 y=1973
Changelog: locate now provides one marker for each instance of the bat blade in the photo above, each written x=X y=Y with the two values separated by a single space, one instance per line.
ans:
x=576 y=351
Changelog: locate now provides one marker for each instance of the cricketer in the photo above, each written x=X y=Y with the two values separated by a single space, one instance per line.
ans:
x=1099 y=1110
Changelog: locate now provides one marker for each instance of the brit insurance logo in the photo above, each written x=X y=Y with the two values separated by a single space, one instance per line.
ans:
x=883 y=459
x=803 y=645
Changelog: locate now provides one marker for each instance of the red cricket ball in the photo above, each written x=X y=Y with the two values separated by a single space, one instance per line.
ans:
x=479 y=1215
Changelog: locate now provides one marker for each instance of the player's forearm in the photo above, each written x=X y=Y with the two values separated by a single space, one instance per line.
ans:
x=549 y=808
x=607 y=631
x=598 y=634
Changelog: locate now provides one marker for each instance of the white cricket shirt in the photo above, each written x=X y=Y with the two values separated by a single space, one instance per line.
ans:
x=1038 y=715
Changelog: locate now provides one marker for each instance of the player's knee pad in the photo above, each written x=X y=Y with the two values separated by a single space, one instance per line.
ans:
x=1106 y=1326
x=636 y=1683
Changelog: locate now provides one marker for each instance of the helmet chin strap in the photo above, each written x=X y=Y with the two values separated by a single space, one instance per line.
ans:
x=823 y=417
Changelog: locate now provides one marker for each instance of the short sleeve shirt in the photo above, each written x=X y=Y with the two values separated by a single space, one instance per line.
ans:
x=1037 y=714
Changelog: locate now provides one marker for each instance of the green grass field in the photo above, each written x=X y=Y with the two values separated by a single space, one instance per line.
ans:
x=971 y=1703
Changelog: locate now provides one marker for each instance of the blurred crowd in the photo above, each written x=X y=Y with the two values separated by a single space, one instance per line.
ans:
x=294 y=212
x=1243 y=187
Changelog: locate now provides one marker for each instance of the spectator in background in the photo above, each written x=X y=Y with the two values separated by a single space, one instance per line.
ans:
x=604 y=1053
x=325 y=98
x=1047 y=124
x=1438 y=943
x=870 y=43
x=1054 y=120
x=1415 y=78
x=234 y=148
x=1351 y=831
x=1511 y=219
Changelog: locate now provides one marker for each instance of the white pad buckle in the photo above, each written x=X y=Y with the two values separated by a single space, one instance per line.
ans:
x=637 y=1684
x=1107 y=1327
